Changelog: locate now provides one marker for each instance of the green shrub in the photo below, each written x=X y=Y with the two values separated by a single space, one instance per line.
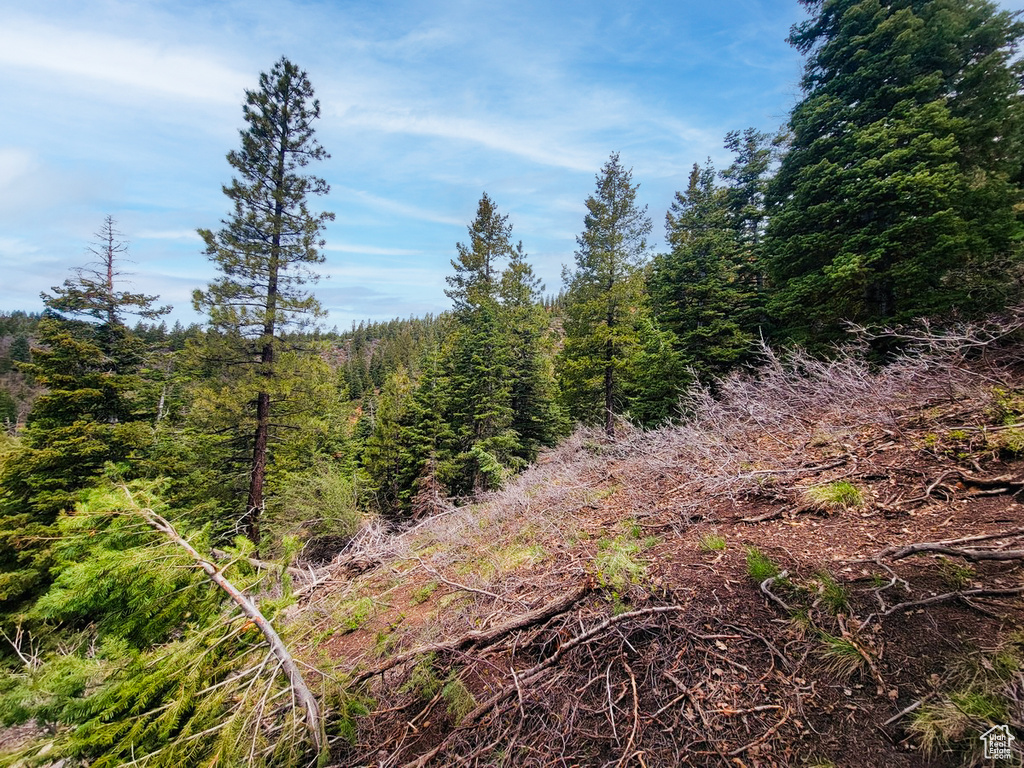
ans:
x=458 y=698
x=617 y=564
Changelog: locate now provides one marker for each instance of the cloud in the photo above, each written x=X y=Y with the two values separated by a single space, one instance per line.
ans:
x=118 y=62
x=486 y=133
x=371 y=250
x=168 y=234
x=394 y=206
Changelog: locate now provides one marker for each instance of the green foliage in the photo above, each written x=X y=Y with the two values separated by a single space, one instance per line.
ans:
x=95 y=410
x=266 y=252
x=955 y=575
x=760 y=566
x=423 y=680
x=357 y=612
x=910 y=208
x=696 y=289
x=617 y=564
x=835 y=496
x=422 y=594
x=981 y=691
x=833 y=595
x=711 y=542
x=604 y=299
x=459 y=700
x=841 y=656
x=314 y=503
x=134 y=656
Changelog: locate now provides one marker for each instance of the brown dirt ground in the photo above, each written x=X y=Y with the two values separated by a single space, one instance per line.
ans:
x=724 y=676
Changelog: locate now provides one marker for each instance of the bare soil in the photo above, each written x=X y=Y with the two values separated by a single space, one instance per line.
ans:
x=673 y=654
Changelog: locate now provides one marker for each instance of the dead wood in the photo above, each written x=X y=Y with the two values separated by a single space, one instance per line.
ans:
x=484 y=637
x=534 y=674
x=766 y=589
x=949 y=547
x=962 y=595
x=301 y=691
x=266 y=565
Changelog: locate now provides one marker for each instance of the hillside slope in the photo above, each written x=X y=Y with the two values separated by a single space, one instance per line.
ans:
x=743 y=589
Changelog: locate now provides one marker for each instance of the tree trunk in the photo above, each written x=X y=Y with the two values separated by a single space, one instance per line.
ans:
x=254 y=503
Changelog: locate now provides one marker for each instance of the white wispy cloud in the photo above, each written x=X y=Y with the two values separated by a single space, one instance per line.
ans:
x=116 y=61
x=395 y=206
x=168 y=234
x=371 y=250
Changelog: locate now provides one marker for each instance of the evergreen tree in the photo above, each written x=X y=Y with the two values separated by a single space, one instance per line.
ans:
x=94 y=411
x=696 y=287
x=268 y=247
x=20 y=349
x=898 y=195
x=747 y=180
x=604 y=297
x=535 y=417
x=386 y=456
x=480 y=364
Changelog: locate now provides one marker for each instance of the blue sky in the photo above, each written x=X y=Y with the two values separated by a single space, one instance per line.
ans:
x=129 y=107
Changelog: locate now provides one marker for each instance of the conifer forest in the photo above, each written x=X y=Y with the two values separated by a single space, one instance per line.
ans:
x=747 y=500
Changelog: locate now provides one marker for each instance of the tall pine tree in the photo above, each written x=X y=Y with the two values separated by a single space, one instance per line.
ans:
x=604 y=298
x=268 y=247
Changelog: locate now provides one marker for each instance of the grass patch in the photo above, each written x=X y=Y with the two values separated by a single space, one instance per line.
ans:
x=831 y=594
x=955 y=576
x=355 y=613
x=617 y=565
x=507 y=559
x=834 y=497
x=760 y=566
x=981 y=692
x=711 y=542
x=841 y=656
x=422 y=594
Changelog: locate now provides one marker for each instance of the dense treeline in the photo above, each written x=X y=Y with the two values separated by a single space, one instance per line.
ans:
x=893 y=193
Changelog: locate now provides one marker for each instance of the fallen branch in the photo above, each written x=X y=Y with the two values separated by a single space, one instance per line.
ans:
x=265 y=565
x=771 y=595
x=965 y=595
x=949 y=547
x=534 y=673
x=314 y=724
x=463 y=587
x=483 y=637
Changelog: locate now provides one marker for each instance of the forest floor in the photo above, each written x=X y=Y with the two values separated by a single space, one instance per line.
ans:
x=823 y=567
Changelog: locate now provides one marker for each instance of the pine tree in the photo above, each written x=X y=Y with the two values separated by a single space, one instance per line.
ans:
x=268 y=248
x=604 y=297
x=479 y=350
x=535 y=417
x=696 y=287
x=95 y=411
x=898 y=195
